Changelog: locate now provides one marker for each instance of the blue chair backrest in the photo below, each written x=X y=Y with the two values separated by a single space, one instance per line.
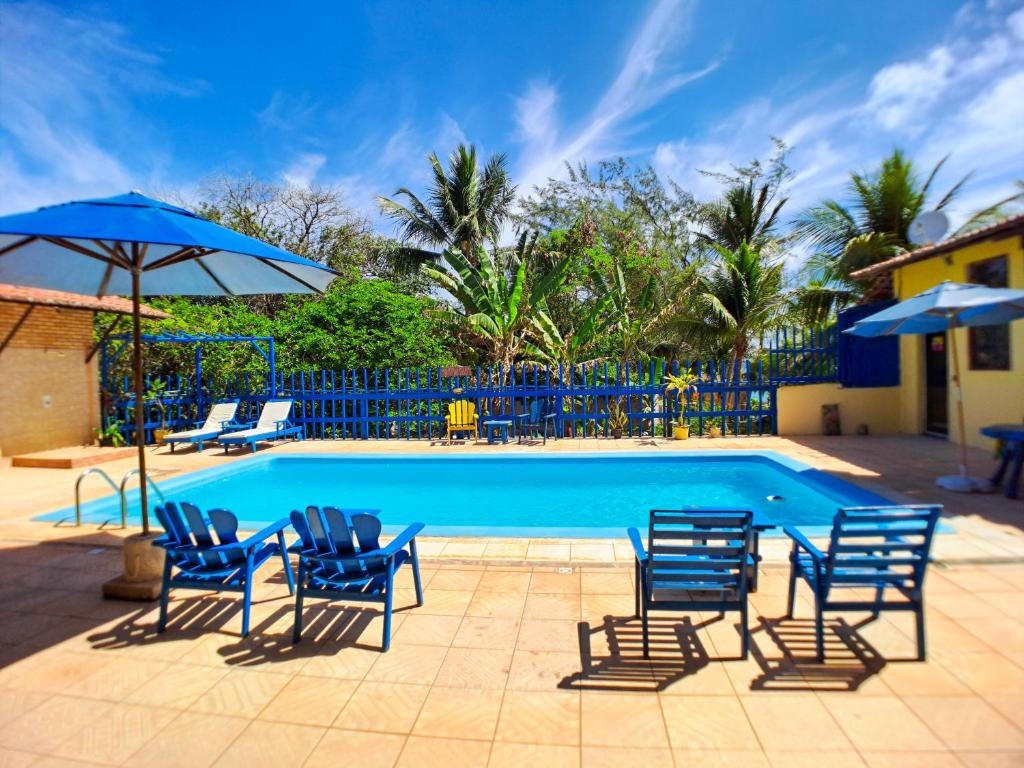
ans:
x=331 y=531
x=698 y=549
x=186 y=526
x=539 y=409
x=881 y=545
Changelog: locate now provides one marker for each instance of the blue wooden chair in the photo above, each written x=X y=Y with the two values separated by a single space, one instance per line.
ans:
x=340 y=558
x=871 y=549
x=540 y=417
x=222 y=565
x=702 y=551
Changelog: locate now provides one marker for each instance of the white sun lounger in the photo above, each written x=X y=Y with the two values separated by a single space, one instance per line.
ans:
x=275 y=421
x=220 y=418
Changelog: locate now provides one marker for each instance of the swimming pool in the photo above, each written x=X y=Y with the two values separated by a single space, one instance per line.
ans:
x=539 y=495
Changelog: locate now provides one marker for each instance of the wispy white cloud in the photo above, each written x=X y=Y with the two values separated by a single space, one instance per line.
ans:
x=304 y=169
x=963 y=97
x=642 y=81
x=66 y=83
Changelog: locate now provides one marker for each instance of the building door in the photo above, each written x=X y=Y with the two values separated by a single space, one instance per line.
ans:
x=936 y=375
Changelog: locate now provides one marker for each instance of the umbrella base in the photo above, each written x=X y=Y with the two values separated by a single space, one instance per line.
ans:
x=964 y=484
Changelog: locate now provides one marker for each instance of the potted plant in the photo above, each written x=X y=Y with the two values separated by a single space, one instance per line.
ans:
x=154 y=395
x=617 y=418
x=685 y=384
x=110 y=436
x=714 y=427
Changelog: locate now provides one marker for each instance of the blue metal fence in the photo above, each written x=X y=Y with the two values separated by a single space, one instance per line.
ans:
x=409 y=403
x=803 y=355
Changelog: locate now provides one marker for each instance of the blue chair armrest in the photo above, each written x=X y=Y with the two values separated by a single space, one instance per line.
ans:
x=283 y=424
x=804 y=543
x=264 y=534
x=550 y=415
x=401 y=540
x=638 y=544
x=522 y=416
x=238 y=424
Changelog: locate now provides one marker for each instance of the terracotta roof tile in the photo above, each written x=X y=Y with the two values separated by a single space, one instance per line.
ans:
x=21 y=294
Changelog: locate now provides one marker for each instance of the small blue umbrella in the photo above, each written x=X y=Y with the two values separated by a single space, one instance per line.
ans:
x=947 y=306
x=134 y=245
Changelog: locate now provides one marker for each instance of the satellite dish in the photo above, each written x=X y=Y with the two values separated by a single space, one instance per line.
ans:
x=929 y=227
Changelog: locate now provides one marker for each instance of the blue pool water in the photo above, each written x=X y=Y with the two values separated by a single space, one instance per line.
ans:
x=568 y=495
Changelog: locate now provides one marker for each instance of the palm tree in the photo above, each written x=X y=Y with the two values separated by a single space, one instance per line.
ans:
x=465 y=208
x=745 y=214
x=494 y=298
x=736 y=298
x=874 y=224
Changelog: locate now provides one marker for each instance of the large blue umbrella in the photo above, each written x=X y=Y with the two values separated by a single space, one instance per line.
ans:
x=135 y=245
x=947 y=306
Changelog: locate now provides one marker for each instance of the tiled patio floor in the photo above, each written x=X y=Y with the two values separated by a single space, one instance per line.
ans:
x=502 y=666
x=512 y=661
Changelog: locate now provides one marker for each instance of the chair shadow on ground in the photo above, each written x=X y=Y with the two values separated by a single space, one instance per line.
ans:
x=327 y=628
x=787 y=662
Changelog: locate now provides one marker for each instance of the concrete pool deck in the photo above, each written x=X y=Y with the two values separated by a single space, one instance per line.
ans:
x=520 y=656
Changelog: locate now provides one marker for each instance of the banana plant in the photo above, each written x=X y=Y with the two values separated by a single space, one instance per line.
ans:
x=497 y=298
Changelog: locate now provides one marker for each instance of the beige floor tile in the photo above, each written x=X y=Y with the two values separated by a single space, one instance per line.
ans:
x=177 y=686
x=115 y=736
x=688 y=679
x=367 y=750
x=191 y=740
x=455 y=579
x=446 y=602
x=540 y=717
x=487 y=632
x=240 y=693
x=547 y=551
x=505 y=581
x=966 y=723
x=988 y=759
x=1010 y=632
x=541 y=670
x=610 y=582
x=52 y=672
x=274 y=745
x=553 y=582
x=621 y=720
x=476 y=668
x=507 y=605
x=987 y=672
x=346 y=663
x=548 y=635
x=595 y=608
x=552 y=606
x=10 y=758
x=388 y=707
x=427 y=629
x=833 y=758
x=504 y=550
x=592 y=553
x=617 y=757
x=881 y=723
x=429 y=752
x=731 y=758
x=921 y=680
x=118 y=679
x=707 y=723
x=14 y=704
x=779 y=730
x=505 y=755
x=309 y=700
x=459 y=713
x=44 y=727
x=471 y=549
x=408 y=664
x=875 y=759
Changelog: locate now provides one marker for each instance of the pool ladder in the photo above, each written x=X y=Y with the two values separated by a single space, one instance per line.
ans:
x=121 y=491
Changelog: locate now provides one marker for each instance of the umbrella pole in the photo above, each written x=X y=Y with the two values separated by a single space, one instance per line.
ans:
x=961 y=430
x=140 y=416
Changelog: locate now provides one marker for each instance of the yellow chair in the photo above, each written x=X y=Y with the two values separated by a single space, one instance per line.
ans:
x=461 y=418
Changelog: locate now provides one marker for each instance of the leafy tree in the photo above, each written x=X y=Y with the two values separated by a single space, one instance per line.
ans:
x=498 y=298
x=466 y=207
x=366 y=324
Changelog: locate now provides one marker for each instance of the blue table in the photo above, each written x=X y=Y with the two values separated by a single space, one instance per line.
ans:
x=496 y=429
x=1012 y=457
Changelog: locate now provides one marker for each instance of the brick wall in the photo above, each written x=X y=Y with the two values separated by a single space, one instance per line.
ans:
x=46 y=358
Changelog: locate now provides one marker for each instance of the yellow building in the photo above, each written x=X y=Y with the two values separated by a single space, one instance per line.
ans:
x=991 y=358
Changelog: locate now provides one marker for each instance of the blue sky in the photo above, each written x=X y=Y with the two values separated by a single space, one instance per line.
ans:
x=97 y=98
